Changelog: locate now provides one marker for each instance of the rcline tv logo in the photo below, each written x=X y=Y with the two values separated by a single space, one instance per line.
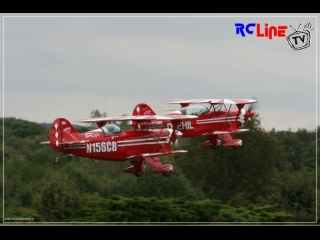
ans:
x=268 y=31
x=300 y=39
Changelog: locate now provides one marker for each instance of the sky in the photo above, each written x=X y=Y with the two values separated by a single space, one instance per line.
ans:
x=66 y=65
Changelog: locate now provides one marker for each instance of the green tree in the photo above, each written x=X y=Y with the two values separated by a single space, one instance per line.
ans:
x=124 y=125
x=175 y=185
x=298 y=194
x=236 y=177
x=95 y=113
x=300 y=147
x=57 y=198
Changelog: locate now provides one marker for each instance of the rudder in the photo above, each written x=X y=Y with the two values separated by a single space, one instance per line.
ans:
x=142 y=109
x=62 y=131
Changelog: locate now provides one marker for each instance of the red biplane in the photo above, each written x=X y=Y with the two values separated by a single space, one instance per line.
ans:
x=109 y=142
x=217 y=122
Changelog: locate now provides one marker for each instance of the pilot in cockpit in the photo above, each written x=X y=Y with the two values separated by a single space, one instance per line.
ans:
x=111 y=129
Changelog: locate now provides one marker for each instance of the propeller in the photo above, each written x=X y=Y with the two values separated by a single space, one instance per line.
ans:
x=252 y=107
x=175 y=134
x=179 y=134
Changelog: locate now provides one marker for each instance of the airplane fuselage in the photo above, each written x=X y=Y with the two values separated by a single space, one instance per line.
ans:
x=207 y=123
x=116 y=147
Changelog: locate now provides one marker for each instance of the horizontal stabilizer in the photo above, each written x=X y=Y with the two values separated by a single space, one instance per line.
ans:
x=46 y=142
x=212 y=101
x=68 y=144
x=74 y=142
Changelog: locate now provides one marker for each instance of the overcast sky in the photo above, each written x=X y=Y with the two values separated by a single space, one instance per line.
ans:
x=60 y=65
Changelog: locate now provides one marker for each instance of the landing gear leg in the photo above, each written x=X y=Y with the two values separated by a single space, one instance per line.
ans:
x=57 y=159
x=218 y=143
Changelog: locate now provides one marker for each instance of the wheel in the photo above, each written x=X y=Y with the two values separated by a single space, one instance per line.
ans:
x=138 y=174
x=166 y=174
x=218 y=143
x=56 y=160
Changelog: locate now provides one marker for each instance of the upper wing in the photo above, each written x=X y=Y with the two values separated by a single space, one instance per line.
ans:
x=103 y=119
x=138 y=118
x=227 y=101
x=186 y=102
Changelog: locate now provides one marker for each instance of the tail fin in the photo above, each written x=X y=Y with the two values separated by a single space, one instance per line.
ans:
x=143 y=109
x=62 y=131
x=139 y=110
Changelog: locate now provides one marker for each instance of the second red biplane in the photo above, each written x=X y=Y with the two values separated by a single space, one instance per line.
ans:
x=216 y=122
x=109 y=142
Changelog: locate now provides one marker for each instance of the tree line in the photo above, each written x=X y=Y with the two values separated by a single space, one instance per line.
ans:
x=272 y=178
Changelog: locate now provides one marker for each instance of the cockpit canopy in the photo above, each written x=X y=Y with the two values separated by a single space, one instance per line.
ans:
x=111 y=129
x=194 y=110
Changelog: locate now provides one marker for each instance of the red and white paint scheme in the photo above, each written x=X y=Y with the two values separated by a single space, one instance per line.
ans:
x=110 y=143
x=222 y=118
